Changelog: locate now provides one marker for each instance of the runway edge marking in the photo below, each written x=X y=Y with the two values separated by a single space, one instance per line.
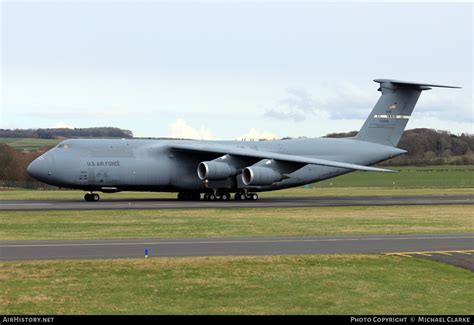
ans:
x=430 y=253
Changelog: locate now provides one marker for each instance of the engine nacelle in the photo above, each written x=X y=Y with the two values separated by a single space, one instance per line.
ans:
x=214 y=170
x=260 y=176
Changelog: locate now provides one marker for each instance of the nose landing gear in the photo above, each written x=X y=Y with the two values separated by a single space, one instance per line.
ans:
x=91 y=197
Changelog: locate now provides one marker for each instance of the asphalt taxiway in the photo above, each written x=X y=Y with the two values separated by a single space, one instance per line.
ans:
x=232 y=246
x=290 y=202
x=460 y=258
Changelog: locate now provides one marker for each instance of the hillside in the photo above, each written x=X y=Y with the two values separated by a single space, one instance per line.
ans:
x=429 y=147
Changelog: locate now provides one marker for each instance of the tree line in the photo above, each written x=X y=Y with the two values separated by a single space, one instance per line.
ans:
x=13 y=165
x=96 y=132
x=429 y=147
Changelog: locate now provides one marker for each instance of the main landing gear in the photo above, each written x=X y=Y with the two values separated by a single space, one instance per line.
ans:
x=224 y=196
x=91 y=197
x=241 y=196
x=217 y=196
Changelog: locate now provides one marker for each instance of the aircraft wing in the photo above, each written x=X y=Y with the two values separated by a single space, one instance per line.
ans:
x=253 y=153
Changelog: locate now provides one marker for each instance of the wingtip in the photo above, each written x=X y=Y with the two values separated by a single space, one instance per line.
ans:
x=389 y=170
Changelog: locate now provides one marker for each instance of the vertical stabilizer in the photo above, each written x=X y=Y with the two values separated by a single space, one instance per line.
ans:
x=390 y=115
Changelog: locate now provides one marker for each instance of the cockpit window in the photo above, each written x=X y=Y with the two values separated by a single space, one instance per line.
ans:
x=63 y=146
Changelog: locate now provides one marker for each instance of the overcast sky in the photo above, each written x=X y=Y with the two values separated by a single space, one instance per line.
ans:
x=225 y=70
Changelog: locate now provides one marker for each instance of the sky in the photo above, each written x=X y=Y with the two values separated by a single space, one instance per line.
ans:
x=229 y=70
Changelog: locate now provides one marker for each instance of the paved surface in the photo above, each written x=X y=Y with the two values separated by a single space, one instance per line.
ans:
x=136 y=204
x=91 y=249
x=460 y=258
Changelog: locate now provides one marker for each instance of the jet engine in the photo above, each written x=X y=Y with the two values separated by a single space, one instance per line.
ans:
x=260 y=176
x=215 y=170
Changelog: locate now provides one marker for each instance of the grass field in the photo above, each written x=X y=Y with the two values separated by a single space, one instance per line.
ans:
x=20 y=194
x=30 y=144
x=336 y=284
x=307 y=284
x=429 y=176
x=102 y=224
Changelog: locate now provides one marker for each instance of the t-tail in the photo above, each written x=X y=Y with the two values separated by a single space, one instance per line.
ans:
x=390 y=115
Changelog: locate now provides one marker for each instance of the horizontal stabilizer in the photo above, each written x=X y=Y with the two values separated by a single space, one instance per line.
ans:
x=417 y=85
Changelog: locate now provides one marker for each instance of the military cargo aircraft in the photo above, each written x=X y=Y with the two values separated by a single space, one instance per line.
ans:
x=214 y=170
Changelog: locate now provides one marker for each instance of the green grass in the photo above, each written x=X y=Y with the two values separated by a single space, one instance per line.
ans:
x=316 y=191
x=430 y=176
x=336 y=284
x=30 y=144
x=20 y=194
x=23 y=194
x=30 y=225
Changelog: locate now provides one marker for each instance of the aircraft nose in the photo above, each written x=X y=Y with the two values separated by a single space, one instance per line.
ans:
x=41 y=168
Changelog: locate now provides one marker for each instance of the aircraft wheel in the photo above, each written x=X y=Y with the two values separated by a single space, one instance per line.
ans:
x=91 y=197
x=206 y=197
x=212 y=197
x=242 y=196
x=254 y=196
x=180 y=196
x=225 y=196
x=237 y=196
